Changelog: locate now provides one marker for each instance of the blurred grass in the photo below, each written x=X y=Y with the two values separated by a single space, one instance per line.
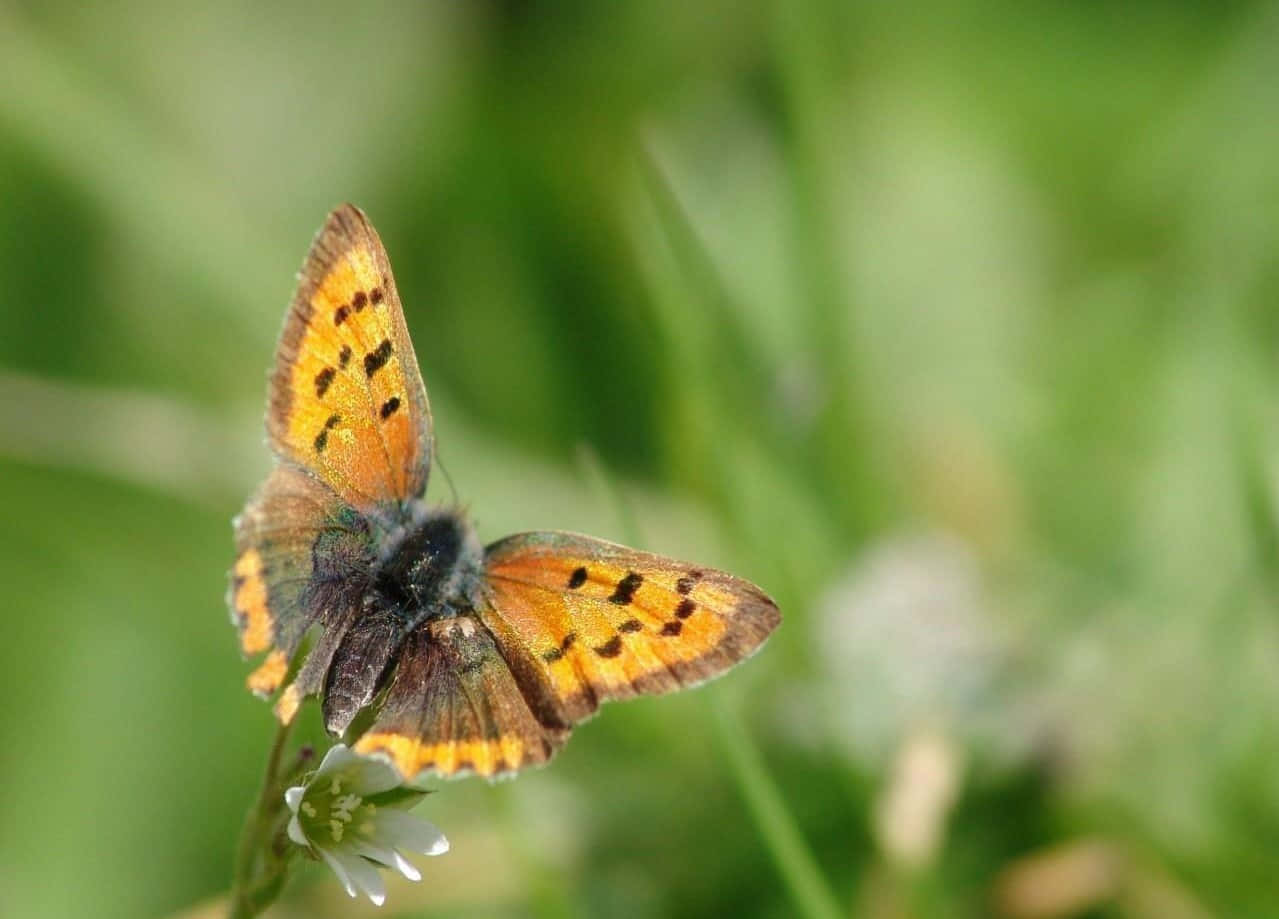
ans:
x=807 y=278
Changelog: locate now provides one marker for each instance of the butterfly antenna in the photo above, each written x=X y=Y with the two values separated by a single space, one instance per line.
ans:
x=445 y=472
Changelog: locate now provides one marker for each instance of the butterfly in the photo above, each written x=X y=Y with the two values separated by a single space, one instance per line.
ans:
x=464 y=658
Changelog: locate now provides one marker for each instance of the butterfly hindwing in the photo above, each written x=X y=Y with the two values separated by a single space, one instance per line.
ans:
x=453 y=707
x=297 y=546
x=347 y=400
x=582 y=620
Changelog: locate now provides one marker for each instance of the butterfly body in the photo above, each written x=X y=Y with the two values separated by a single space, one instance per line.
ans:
x=429 y=566
x=475 y=659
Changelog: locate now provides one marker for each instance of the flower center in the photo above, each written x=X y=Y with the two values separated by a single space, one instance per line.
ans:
x=328 y=808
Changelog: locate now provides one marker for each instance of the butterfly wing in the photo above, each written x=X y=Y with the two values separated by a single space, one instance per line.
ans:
x=582 y=621
x=569 y=622
x=305 y=558
x=299 y=553
x=346 y=397
x=348 y=419
x=453 y=707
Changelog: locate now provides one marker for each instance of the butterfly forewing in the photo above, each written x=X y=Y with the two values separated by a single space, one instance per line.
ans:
x=347 y=400
x=568 y=622
x=582 y=620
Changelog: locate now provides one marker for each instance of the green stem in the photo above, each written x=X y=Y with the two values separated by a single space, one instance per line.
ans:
x=811 y=894
x=794 y=861
x=259 y=871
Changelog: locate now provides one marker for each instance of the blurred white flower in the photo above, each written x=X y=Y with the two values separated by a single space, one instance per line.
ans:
x=351 y=811
x=907 y=643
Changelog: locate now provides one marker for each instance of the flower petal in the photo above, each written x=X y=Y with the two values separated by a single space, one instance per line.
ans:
x=362 y=775
x=372 y=849
x=404 y=831
x=336 y=760
x=388 y=857
x=407 y=868
x=293 y=797
x=371 y=776
x=339 y=870
x=295 y=832
x=362 y=873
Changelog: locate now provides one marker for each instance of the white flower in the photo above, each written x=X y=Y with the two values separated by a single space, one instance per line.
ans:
x=351 y=811
x=909 y=643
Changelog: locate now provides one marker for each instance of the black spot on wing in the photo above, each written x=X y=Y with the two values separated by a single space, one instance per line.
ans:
x=685 y=584
x=555 y=654
x=685 y=608
x=388 y=407
x=674 y=627
x=577 y=578
x=626 y=588
x=340 y=314
x=323 y=380
x=630 y=625
x=376 y=359
x=344 y=356
x=322 y=439
x=610 y=648
x=360 y=301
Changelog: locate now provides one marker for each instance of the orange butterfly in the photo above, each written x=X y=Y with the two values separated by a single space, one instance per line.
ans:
x=476 y=659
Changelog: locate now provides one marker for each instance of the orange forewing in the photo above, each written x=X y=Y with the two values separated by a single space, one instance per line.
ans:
x=347 y=400
x=582 y=620
x=569 y=622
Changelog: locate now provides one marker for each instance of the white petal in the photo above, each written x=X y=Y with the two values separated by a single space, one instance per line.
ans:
x=293 y=797
x=406 y=867
x=295 y=832
x=371 y=776
x=362 y=873
x=362 y=775
x=387 y=856
x=404 y=831
x=339 y=870
x=381 y=854
x=336 y=760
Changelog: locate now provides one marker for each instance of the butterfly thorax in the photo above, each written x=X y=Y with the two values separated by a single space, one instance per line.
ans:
x=428 y=567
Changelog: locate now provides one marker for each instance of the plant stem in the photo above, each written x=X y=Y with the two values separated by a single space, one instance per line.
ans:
x=259 y=873
x=791 y=854
x=812 y=896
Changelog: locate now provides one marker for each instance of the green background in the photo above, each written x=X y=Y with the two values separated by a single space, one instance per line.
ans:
x=953 y=326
